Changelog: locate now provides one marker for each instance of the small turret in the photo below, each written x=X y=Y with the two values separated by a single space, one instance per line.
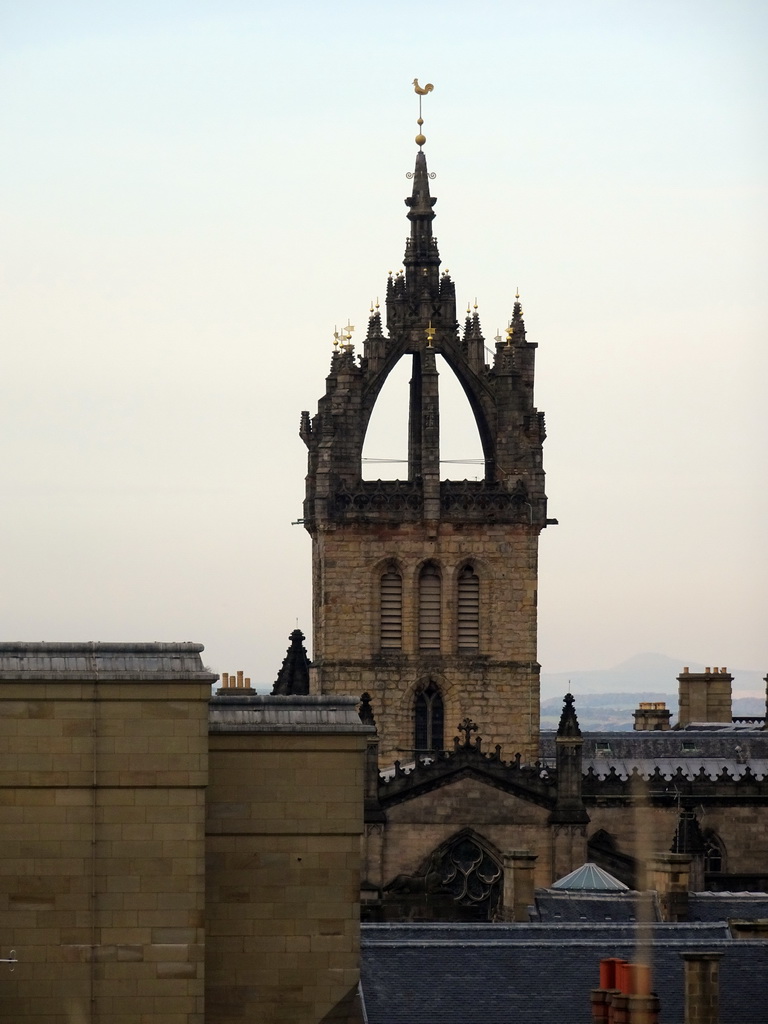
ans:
x=293 y=677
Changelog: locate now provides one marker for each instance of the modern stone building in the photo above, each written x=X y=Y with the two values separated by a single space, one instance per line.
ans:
x=170 y=857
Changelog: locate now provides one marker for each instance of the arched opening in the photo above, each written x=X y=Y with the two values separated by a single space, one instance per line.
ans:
x=385 y=447
x=428 y=720
x=461 y=451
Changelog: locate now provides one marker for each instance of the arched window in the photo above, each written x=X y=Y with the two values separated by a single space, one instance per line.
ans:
x=428 y=720
x=469 y=609
x=429 y=609
x=391 y=604
x=714 y=857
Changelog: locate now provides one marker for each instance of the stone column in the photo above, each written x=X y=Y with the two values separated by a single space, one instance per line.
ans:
x=702 y=987
x=518 y=885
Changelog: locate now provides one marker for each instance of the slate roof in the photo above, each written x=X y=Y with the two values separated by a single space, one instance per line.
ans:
x=724 y=906
x=103 y=662
x=713 y=742
x=540 y=974
x=595 y=907
x=267 y=713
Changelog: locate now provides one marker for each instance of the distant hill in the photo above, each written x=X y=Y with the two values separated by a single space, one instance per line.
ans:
x=642 y=673
x=598 y=712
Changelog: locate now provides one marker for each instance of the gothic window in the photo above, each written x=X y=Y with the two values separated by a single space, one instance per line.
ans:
x=714 y=859
x=471 y=874
x=428 y=720
x=429 y=609
x=391 y=597
x=469 y=609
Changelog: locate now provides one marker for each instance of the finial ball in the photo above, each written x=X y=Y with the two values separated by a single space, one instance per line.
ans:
x=420 y=139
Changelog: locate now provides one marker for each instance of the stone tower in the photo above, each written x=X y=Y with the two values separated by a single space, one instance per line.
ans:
x=424 y=589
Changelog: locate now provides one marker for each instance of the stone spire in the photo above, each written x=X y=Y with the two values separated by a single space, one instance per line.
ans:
x=569 y=723
x=569 y=808
x=293 y=677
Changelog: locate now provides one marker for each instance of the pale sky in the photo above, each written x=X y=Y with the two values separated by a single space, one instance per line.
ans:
x=195 y=194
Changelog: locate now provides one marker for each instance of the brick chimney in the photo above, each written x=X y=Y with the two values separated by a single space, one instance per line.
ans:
x=702 y=988
x=704 y=696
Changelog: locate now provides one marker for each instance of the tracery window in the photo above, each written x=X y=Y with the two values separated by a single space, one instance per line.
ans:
x=428 y=720
x=468 y=615
x=471 y=874
x=391 y=614
x=429 y=609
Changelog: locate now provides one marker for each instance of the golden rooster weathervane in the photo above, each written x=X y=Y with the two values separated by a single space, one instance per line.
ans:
x=421 y=91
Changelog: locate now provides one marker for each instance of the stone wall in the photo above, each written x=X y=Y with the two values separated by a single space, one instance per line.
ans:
x=103 y=757
x=496 y=686
x=284 y=821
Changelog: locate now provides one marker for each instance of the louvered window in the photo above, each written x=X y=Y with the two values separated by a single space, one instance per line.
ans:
x=429 y=609
x=428 y=720
x=469 y=609
x=391 y=611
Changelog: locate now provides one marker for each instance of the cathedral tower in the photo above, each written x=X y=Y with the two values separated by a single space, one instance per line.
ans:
x=424 y=589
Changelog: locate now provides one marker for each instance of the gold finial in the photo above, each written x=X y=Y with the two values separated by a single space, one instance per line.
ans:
x=336 y=338
x=509 y=332
x=421 y=138
x=469 y=309
x=430 y=333
x=475 y=306
x=377 y=302
x=517 y=294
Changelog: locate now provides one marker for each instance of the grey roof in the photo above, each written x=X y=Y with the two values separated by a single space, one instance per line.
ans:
x=271 y=713
x=594 y=907
x=102 y=662
x=540 y=974
x=590 y=876
x=730 y=742
x=725 y=906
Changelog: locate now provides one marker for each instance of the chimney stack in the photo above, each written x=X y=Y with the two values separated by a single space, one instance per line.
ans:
x=704 y=696
x=702 y=988
x=652 y=716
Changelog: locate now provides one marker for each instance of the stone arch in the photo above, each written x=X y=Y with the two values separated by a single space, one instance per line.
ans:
x=478 y=394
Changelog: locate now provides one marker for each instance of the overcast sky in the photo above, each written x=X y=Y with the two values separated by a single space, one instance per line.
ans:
x=196 y=193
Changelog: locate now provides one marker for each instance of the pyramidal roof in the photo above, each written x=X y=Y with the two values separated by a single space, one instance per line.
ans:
x=590 y=877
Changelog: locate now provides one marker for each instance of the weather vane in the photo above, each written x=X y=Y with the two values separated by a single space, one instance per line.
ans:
x=421 y=91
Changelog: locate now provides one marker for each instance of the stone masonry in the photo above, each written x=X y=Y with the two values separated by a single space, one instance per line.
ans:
x=103 y=768
x=284 y=821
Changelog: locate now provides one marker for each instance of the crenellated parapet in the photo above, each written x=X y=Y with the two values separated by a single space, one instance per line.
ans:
x=740 y=784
